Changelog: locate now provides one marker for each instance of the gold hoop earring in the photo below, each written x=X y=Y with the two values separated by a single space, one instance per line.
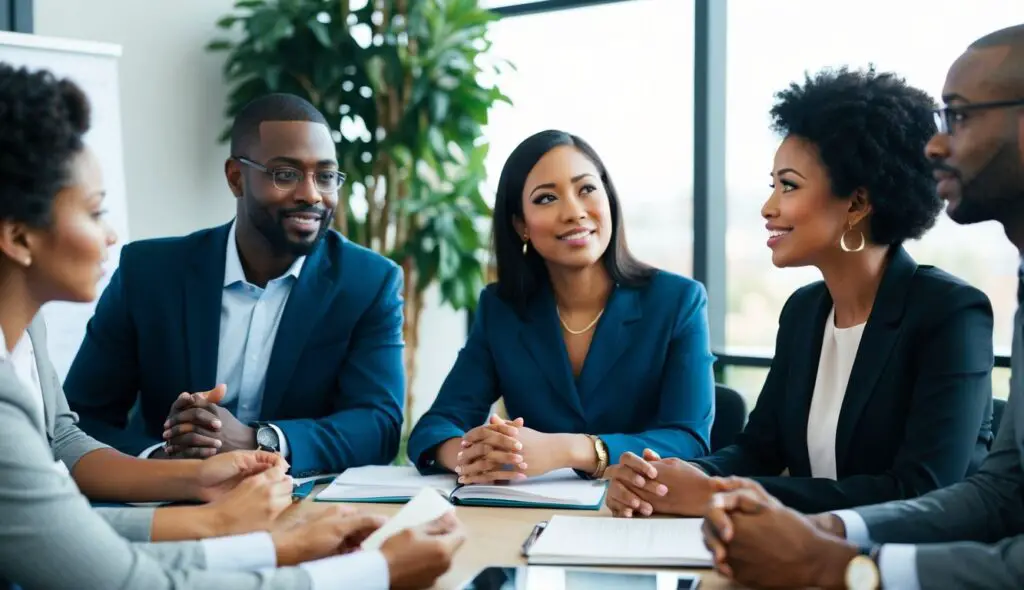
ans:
x=845 y=248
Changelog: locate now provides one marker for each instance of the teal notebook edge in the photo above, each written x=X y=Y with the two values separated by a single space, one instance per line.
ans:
x=499 y=503
x=378 y=500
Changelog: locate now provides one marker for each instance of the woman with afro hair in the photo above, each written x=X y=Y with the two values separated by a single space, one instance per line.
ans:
x=880 y=388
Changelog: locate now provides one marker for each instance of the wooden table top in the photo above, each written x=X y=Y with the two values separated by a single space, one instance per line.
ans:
x=494 y=537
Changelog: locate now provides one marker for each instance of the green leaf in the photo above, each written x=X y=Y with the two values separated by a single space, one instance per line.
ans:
x=439 y=106
x=320 y=31
x=250 y=4
x=219 y=45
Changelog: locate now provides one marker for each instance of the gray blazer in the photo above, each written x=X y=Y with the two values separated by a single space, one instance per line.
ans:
x=971 y=534
x=51 y=538
x=70 y=443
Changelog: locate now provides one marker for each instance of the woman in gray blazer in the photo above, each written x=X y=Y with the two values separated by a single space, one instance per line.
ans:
x=53 y=242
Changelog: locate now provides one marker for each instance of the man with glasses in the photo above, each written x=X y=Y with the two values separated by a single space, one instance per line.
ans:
x=271 y=332
x=971 y=534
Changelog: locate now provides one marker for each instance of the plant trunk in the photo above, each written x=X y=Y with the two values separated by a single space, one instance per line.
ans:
x=410 y=333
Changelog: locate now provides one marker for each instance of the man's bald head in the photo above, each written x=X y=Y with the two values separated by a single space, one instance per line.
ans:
x=1007 y=45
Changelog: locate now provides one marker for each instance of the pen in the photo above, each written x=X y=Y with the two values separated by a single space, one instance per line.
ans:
x=534 y=535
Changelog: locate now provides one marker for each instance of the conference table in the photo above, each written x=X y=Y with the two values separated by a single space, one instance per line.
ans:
x=494 y=537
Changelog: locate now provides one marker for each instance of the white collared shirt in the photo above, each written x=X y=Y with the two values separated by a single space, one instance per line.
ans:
x=249 y=319
x=23 y=357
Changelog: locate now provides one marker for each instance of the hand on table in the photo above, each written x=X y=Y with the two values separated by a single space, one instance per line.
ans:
x=255 y=504
x=760 y=543
x=221 y=474
x=417 y=557
x=506 y=450
x=645 y=486
x=197 y=427
x=336 y=530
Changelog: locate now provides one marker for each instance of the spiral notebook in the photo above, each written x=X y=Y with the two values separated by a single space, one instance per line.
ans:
x=560 y=489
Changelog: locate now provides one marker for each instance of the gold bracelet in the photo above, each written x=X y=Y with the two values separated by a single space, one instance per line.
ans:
x=602 y=457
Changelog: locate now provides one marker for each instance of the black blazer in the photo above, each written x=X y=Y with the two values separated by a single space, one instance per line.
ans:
x=918 y=406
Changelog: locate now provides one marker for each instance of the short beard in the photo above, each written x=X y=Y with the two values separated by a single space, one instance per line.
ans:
x=996 y=192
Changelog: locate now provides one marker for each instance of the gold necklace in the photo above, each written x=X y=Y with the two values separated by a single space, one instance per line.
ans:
x=578 y=332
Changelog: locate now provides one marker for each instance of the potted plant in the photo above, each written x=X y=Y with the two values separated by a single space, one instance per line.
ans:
x=403 y=84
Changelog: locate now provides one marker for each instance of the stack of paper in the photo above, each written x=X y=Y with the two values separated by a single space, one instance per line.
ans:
x=656 y=542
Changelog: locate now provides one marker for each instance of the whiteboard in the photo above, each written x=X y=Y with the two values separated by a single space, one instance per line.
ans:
x=94 y=67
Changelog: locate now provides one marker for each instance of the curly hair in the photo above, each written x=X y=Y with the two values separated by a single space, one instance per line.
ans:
x=870 y=130
x=43 y=120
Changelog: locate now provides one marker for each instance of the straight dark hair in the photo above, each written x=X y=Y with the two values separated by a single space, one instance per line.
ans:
x=519 y=276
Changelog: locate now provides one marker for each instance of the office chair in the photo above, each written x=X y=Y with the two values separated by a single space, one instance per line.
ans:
x=730 y=416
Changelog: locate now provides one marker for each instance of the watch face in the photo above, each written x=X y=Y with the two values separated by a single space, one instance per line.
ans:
x=862 y=574
x=266 y=437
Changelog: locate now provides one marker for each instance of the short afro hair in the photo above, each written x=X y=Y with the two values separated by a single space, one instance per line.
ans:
x=42 y=122
x=269 y=107
x=870 y=130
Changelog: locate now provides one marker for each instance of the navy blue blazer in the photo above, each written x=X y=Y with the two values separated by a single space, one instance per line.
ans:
x=917 y=413
x=335 y=380
x=646 y=382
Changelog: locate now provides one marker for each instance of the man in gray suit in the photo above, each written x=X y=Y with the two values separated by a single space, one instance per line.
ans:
x=971 y=534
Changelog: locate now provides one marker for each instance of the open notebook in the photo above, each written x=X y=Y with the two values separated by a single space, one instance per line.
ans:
x=639 y=542
x=559 y=489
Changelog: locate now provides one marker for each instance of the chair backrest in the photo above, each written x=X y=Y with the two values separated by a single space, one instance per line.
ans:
x=998 y=405
x=730 y=416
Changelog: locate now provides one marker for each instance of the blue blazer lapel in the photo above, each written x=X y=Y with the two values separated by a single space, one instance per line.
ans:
x=204 y=286
x=879 y=336
x=310 y=297
x=612 y=336
x=541 y=334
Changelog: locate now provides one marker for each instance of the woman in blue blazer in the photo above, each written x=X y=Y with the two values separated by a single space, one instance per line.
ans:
x=881 y=385
x=593 y=352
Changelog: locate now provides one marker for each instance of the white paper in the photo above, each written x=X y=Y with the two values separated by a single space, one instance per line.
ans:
x=561 y=486
x=622 y=541
x=380 y=481
x=426 y=506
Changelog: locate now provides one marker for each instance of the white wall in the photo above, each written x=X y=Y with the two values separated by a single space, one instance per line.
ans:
x=172 y=100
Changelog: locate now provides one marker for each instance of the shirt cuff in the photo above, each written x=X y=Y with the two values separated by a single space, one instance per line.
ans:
x=366 y=570
x=856 y=528
x=245 y=553
x=146 y=453
x=897 y=565
x=284 y=441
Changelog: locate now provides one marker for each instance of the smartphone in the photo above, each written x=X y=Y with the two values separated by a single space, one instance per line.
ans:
x=560 y=578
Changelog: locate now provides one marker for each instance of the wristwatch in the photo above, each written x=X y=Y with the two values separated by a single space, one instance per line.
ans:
x=602 y=456
x=266 y=437
x=862 y=572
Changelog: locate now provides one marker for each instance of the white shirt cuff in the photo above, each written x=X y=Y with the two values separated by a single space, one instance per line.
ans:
x=247 y=553
x=146 y=453
x=897 y=565
x=284 y=441
x=856 y=528
x=366 y=570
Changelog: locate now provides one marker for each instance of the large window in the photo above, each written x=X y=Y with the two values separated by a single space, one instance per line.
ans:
x=620 y=76
x=771 y=44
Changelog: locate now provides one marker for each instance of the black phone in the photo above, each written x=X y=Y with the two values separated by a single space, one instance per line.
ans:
x=536 y=577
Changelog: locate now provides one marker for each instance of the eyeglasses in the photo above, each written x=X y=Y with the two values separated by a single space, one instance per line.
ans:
x=286 y=178
x=946 y=118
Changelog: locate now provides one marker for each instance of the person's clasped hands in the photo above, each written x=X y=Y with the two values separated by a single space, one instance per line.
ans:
x=757 y=541
x=197 y=427
x=642 y=486
x=504 y=450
